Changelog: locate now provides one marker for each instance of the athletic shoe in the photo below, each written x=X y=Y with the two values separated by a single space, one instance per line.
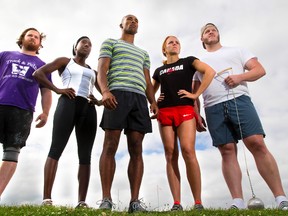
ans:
x=283 y=205
x=47 y=202
x=198 y=207
x=177 y=207
x=233 y=207
x=137 y=206
x=82 y=204
x=106 y=204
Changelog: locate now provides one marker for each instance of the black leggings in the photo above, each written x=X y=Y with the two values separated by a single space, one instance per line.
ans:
x=69 y=113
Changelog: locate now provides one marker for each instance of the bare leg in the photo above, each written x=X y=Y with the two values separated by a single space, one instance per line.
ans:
x=7 y=170
x=231 y=169
x=173 y=174
x=50 y=170
x=107 y=163
x=135 y=167
x=169 y=140
x=186 y=133
x=83 y=179
x=265 y=163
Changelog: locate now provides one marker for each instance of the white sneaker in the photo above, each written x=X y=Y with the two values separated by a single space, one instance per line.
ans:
x=47 y=202
x=283 y=205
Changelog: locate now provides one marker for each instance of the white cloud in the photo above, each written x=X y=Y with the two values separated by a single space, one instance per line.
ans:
x=257 y=25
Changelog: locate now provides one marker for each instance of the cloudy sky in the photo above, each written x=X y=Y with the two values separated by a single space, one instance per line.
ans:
x=258 y=25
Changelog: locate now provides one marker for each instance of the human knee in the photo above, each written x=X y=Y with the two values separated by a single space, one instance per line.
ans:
x=228 y=150
x=169 y=155
x=188 y=152
x=135 y=148
x=11 y=154
x=256 y=145
x=136 y=155
x=109 y=149
x=110 y=146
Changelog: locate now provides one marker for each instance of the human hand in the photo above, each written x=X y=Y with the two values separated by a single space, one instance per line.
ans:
x=109 y=101
x=93 y=101
x=201 y=124
x=185 y=94
x=160 y=98
x=233 y=80
x=42 y=118
x=69 y=92
x=154 y=109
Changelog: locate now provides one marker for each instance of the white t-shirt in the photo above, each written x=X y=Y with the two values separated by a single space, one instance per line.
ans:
x=225 y=61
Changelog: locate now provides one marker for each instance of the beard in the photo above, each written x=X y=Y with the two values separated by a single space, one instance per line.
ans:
x=212 y=42
x=31 y=45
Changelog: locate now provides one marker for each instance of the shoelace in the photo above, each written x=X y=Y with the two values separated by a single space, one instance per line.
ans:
x=99 y=202
x=176 y=207
x=139 y=202
x=233 y=207
x=283 y=205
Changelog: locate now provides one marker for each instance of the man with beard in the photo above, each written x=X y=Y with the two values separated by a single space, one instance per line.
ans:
x=124 y=80
x=18 y=95
x=231 y=115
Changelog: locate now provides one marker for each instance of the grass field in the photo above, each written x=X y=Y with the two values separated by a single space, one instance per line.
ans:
x=29 y=210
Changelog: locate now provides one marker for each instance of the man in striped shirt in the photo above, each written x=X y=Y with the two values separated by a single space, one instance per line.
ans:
x=125 y=83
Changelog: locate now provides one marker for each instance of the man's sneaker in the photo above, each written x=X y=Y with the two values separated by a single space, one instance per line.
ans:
x=198 y=207
x=82 y=204
x=136 y=206
x=106 y=204
x=233 y=207
x=177 y=207
x=47 y=202
x=283 y=205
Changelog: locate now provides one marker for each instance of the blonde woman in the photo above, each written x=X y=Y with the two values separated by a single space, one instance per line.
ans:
x=177 y=118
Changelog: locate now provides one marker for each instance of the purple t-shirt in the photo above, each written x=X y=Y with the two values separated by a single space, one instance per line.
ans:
x=17 y=85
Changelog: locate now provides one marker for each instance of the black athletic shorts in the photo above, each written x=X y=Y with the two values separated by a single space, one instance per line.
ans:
x=131 y=113
x=15 y=125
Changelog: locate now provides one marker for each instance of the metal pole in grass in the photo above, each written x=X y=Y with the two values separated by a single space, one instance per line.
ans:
x=158 y=197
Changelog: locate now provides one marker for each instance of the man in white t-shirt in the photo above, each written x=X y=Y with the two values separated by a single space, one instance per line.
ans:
x=226 y=103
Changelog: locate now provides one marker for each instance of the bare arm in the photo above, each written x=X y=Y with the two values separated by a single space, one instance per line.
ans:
x=200 y=124
x=108 y=99
x=96 y=82
x=208 y=75
x=150 y=93
x=92 y=99
x=46 y=101
x=41 y=76
x=103 y=67
x=155 y=85
x=254 y=72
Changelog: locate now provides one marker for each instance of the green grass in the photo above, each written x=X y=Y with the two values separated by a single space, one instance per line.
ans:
x=29 y=210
